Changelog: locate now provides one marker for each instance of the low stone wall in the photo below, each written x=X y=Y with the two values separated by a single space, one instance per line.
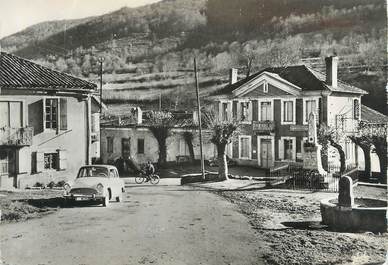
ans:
x=355 y=219
x=197 y=177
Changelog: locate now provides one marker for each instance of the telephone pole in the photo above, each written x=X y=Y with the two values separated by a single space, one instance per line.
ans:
x=101 y=60
x=199 y=119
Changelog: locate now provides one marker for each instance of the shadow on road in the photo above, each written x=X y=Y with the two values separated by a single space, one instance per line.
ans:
x=58 y=202
x=306 y=225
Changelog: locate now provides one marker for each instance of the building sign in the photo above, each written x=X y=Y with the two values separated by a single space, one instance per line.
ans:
x=263 y=126
x=299 y=128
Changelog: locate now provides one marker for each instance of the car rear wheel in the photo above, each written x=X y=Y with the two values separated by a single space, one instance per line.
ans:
x=119 y=198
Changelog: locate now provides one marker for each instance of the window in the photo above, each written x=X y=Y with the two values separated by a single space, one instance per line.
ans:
x=51 y=161
x=265 y=87
x=265 y=111
x=11 y=114
x=356 y=109
x=225 y=111
x=51 y=112
x=140 y=146
x=245 y=147
x=311 y=107
x=288 y=149
x=288 y=111
x=244 y=111
x=109 y=143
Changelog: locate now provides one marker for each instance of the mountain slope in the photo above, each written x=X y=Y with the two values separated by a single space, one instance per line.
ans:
x=149 y=50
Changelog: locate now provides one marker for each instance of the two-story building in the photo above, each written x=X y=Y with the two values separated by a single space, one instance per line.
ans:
x=273 y=107
x=49 y=123
x=131 y=137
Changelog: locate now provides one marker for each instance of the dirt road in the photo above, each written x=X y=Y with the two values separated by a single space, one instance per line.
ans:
x=154 y=225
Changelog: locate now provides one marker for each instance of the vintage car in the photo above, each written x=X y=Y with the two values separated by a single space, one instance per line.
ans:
x=96 y=183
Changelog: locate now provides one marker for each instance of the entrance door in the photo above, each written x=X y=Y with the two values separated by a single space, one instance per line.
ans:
x=266 y=153
x=126 y=147
x=8 y=167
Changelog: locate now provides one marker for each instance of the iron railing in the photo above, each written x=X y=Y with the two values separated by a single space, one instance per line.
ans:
x=16 y=136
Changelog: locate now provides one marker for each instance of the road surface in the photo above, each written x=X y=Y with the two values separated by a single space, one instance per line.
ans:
x=161 y=224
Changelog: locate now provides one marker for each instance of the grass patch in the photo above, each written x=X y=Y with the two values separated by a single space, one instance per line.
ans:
x=24 y=205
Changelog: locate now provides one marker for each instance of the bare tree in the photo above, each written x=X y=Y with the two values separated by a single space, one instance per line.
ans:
x=328 y=135
x=223 y=132
x=161 y=124
x=377 y=135
x=365 y=143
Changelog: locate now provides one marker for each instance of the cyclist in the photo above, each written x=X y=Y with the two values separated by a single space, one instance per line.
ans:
x=149 y=170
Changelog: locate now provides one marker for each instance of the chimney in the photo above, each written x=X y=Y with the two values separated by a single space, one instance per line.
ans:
x=331 y=70
x=233 y=76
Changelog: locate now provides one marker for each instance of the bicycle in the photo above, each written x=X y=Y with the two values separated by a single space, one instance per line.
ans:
x=154 y=179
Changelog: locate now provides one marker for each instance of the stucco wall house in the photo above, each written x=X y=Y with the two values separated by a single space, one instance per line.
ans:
x=134 y=139
x=273 y=107
x=49 y=123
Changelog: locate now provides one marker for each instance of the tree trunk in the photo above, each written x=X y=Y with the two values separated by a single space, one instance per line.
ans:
x=367 y=160
x=222 y=163
x=162 y=152
x=383 y=165
x=188 y=136
x=342 y=156
x=324 y=157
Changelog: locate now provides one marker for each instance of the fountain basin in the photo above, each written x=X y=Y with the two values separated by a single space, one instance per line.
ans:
x=365 y=215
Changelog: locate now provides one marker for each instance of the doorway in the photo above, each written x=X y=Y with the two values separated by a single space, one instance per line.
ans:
x=8 y=170
x=266 y=151
x=126 y=147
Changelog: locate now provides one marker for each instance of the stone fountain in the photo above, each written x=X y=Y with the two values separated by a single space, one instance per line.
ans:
x=349 y=214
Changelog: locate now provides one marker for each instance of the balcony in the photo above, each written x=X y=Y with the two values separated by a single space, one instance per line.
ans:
x=263 y=126
x=347 y=125
x=16 y=136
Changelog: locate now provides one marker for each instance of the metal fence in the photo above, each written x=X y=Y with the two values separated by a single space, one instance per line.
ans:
x=295 y=177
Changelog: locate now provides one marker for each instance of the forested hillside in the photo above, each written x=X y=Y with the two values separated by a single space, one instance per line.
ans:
x=148 y=51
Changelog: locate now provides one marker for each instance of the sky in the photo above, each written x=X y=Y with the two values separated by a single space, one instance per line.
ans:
x=16 y=15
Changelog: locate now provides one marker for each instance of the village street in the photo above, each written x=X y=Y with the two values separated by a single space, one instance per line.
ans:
x=163 y=224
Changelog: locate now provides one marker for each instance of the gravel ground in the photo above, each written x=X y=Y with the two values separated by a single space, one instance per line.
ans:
x=289 y=224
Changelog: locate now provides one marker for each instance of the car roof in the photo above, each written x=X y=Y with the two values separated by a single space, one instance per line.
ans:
x=106 y=166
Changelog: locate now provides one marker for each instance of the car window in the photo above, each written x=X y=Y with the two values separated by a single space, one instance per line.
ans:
x=89 y=172
x=112 y=173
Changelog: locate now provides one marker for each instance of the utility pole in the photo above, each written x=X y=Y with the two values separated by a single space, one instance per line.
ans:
x=199 y=119
x=101 y=60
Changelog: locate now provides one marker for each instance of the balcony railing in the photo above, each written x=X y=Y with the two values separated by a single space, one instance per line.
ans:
x=347 y=125
x=263 y=126
x=16 y=136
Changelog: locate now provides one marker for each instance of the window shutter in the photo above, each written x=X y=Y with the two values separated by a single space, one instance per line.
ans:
x=250 y=111
x=294 y=150
x=39 y=162
x=63 y=113
x=255 y=115
x=43 y=106
x=234 y=110
x=281 y=149
x=62 y=160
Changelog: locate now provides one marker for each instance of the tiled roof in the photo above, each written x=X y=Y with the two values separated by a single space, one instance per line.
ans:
x=16 y=72
x=299 y=75
x=372 y=116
